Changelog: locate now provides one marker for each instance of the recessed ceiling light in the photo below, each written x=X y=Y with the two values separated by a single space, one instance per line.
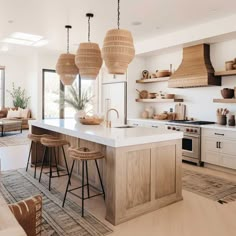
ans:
x=24 y=36
x=17 y=41
x=158 y=27
x=136 y=23
x=40 y=43
x=10 y=21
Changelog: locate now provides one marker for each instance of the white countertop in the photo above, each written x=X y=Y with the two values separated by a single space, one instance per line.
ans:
x=220 y=127
x=165 y=122
x=114 y=137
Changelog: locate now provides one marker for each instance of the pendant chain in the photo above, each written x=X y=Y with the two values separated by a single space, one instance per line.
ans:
x=118 y=11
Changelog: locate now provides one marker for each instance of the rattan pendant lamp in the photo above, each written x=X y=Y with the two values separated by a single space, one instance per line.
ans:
x=88 y=57
x=65 y=66
x=118 y=48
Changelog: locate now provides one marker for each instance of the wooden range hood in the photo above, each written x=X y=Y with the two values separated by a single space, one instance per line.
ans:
x=195 y=70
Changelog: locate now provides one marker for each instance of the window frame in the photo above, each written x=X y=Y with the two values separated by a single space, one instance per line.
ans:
x=62 y=88
x=2 y=68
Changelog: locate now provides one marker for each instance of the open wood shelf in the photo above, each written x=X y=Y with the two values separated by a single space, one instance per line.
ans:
x=226 y=100
x=153 y=80
x=225 y=73
x=159 y=100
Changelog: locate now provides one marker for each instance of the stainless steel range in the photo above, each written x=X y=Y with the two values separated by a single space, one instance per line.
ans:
x=191 y=142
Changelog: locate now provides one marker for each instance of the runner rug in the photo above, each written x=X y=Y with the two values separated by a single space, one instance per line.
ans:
x=17 y=185
x=215 y=188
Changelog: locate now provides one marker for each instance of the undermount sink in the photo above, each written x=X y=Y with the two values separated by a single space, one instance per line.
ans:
x=124 y=127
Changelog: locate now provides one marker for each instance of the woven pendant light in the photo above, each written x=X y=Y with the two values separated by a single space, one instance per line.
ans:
x=65 y=66
x=118 y=48
x=88 y=57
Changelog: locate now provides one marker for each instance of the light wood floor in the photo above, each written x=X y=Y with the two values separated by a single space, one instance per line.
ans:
x=194 y=216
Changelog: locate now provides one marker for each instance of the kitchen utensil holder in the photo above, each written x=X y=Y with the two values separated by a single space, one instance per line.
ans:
x=221 y=119
x=231 y=120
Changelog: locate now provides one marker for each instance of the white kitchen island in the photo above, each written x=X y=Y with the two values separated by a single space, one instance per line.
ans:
x=142 y=166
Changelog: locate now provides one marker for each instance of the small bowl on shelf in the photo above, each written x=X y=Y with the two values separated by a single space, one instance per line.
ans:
x=169 y=96
x=227 y=93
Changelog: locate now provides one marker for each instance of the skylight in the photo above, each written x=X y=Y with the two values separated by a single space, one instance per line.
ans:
x=25 y=39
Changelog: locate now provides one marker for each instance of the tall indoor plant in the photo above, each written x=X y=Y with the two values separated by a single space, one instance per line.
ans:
x=77 y=101
x=19 y=97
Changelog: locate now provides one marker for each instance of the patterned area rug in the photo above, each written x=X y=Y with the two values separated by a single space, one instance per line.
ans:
x=17 y=185
x=14 y=138
x=215 y=188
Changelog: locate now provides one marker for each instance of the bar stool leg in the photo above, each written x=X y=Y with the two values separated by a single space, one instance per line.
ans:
x=30 y=150
x=65 y=160
x=86 y=163
x=82 y=188
x=44 y=155
x=100 y=179
x=36 y=160
x=68 y=183
x=50 y=167
x=55 y=157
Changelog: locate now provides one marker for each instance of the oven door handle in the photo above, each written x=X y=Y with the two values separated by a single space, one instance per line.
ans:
x=217 y=144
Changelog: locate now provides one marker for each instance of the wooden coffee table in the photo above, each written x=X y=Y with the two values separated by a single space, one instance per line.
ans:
x=10 y=125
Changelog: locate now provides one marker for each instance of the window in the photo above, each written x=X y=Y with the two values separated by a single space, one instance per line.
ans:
x=2 y=87
x=52 y=96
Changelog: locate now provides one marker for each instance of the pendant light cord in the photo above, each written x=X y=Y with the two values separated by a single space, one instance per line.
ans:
x=68 y=40
x=89 y=29
x=68 y=27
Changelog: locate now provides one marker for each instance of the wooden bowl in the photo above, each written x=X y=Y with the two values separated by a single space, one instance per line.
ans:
x=170 y=96
x=143 y=94
x=152 y=95
x=91 y=121
x=163 y=73
x=227 y=93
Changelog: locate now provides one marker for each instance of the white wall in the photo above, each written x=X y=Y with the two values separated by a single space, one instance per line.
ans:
x=199 y=101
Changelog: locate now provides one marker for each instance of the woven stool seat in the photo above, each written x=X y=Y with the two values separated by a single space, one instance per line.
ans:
x=54 y=142
x=85 y=154
x=37 y=137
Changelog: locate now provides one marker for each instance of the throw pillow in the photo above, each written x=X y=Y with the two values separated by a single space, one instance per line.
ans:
x=29 y=214
x=13 y=114
x=24 y=112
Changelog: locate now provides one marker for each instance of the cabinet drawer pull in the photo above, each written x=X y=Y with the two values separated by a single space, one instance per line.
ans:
x=219 y=144
x=219 y=134
x=154 y=126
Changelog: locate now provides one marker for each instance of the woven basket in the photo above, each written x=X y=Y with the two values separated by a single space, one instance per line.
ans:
x=88 y=59
x=66 y=68
x=118 y=50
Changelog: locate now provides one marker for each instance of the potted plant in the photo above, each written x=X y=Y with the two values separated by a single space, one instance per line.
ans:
x=78 y=102
x=19 y=97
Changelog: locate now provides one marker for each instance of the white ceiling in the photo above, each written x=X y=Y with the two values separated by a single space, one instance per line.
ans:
x=48 y=18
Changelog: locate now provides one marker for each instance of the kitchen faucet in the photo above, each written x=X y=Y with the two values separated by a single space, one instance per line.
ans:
x=108 y=122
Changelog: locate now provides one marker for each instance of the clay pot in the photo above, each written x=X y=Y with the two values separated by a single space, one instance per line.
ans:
x=229 y=65
x=227 y=93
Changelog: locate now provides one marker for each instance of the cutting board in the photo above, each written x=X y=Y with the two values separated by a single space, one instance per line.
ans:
x=180 y=110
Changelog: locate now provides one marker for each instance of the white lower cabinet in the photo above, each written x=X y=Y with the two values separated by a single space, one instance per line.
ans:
x=219 y=147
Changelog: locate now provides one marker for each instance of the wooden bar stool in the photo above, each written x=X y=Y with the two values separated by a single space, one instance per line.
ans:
x=83 y=154
x=50 y=148
x=35 y=140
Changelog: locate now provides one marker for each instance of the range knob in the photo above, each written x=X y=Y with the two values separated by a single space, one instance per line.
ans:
x=168 y=127
x=187 y=130
x=173 y=128
x=177 y=129
x=191 y=130
x=195 y=131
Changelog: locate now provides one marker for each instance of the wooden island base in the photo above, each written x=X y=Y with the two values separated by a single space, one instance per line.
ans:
x=138 y=179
